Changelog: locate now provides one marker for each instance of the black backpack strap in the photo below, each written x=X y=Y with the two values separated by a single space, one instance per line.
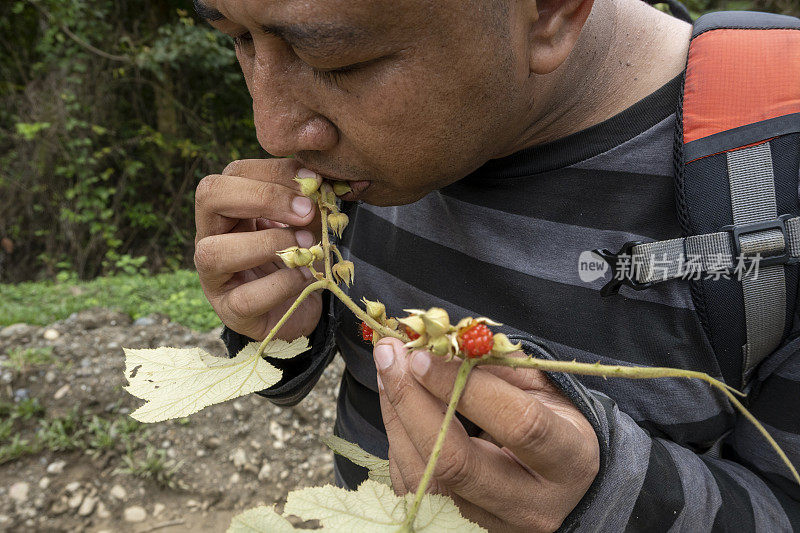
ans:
x=737 y=168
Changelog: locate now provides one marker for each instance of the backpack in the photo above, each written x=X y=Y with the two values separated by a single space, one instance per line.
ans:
x=737 y=167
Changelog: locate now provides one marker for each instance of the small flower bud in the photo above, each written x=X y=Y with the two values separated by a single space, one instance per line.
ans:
x=288 y=256
x=340 y=188
x=327 y=194
x=376 y=310
x=317 y=252
x=308 y=186
x=437 y=321
x=415 y=323
x=440 y=345
x=337 y=222
x=344 y=271
x=502 y=345
x=303 y=257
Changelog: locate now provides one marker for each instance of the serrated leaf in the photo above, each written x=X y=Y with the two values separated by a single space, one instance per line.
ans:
x=260 y=519
x=176 y=382
x=278 y=348
x=378 y=468
x=374 y=507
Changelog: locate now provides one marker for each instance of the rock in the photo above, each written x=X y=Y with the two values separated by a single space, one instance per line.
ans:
x=19 y=492
x=239 y=458
x=50 y=376
x=51 y=334
x=56 y=467
x=234 y=479
x=145 y=321
x=16 y=330
x=44 y=483
x=212 y=443
x=72 y=487
x=276 y=430
x=238 y=406
x=102 y=510
x=192 y=503
x=118 y=492
x=21 y=394
x=134 y=513
x=158 y=509
x=60 y=393
x=88 y=505
x=265 y=472
x=75 y=500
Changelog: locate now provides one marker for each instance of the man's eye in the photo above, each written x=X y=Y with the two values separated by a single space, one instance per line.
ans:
x=333 y=76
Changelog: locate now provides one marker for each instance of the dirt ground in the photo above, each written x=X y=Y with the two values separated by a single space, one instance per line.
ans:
x=222 y=460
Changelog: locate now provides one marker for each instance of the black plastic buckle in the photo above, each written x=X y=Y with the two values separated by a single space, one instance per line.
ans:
x=737 y=230
x=617 y=280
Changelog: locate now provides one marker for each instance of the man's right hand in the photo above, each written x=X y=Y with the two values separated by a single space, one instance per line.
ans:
x=243 y=216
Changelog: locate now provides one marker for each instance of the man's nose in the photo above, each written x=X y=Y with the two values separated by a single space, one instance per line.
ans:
x=285 y=122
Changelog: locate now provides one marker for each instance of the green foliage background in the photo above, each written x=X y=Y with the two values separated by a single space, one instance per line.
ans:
x=110 y=113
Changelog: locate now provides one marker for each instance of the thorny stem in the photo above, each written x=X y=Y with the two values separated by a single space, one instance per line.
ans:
x=458 y=388
x=326 y=241
x=360 y=313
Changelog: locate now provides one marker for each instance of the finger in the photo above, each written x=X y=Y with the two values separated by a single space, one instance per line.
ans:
x=482 y=480
x=255 y=298
x=402 y=452
x=217 y=257
x=396 y=476
x=515 y=418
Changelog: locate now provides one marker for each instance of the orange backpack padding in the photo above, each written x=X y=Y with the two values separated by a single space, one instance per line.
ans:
x=737 y=159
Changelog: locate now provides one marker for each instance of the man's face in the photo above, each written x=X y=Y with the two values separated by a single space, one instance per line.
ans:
x=409 y=95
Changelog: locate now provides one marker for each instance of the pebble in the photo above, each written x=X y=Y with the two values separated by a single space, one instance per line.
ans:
x=158 y=509
x=72 y=487
x=60 y=393
x=134 y=513
x=88 y=505
x=51 y=334
x=265 y=472
x=144 y=321
x=21 y=394
x=75 y=500
x=102 y=510
x=15 y=329
x=118 y=492
x=44 y=483
x=213 y=443
x=50 y=376
x=19 y=491
x=239 y=458
x=56 y=467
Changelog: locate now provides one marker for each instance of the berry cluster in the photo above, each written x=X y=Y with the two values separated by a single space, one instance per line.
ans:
x=476 y=340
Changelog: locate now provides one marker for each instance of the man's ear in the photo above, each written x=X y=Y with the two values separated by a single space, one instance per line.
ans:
x=554 y=27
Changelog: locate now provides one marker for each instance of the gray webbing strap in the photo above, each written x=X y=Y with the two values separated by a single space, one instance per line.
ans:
x=752 y=185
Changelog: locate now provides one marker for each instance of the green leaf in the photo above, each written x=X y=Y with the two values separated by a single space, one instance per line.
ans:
x=378 y=468
x=177 y=382
x=373 y=508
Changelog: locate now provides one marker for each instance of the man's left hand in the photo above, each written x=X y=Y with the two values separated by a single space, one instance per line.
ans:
x=537 y=460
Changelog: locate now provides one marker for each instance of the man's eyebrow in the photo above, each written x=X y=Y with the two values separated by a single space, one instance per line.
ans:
x=323 y=39
x=205 y=12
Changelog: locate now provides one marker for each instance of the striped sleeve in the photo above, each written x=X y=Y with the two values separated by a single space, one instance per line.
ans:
x=654 y=484
x=300 y=373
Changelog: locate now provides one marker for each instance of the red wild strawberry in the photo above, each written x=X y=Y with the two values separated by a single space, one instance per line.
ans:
x=366 y=332
x=412 y=335
x=475 y=340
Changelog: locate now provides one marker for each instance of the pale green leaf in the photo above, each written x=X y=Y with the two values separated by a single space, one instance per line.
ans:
x=258 y=520
x=278 y=348
x=374 y=507
x=378 y=468
x=176 y=382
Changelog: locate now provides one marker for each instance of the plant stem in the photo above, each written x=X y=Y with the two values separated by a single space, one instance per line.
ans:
x=458 y=388
x=322 y=284
x=360 y=313
x=326 y=241
x=606 y=371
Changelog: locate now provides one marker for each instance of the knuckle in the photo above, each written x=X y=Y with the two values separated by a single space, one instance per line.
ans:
x=453 y=468
x=402 y=391
x=205 y=255
x=265 y=195
x=532 y=426
x=205 y=190
x=233 y=168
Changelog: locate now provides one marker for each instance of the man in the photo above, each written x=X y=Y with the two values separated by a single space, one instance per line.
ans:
x=487 y=144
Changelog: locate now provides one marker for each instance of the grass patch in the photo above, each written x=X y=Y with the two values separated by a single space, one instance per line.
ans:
x=22 y=359
x=152 y=464
x=177 y=295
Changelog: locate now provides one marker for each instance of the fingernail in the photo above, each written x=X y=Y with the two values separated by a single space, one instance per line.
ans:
x=380 y=383
x=305 y=173
x=301 y=206
x=384 y=356
x=305 y=239
x=421 y=363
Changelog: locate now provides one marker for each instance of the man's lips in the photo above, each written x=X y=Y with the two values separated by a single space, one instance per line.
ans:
x=357 y=189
